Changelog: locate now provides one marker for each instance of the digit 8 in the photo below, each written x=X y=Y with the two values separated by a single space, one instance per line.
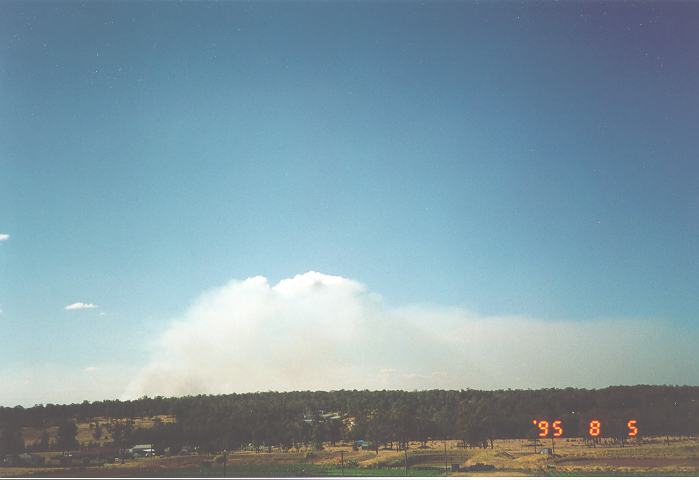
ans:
x=595 y=428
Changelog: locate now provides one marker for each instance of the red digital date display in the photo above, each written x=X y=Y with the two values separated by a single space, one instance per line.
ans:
x=594 y=428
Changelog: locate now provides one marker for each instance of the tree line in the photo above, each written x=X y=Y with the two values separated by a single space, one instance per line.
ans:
x=392 y=418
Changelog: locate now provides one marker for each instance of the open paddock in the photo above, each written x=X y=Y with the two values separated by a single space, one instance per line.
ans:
x=508 y=458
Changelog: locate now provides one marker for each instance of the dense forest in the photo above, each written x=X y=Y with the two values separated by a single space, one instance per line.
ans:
x=288 y=420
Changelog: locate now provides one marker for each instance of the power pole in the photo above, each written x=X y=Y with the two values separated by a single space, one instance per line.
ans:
x=445 y=456
x=342 y=462
x=406 y=459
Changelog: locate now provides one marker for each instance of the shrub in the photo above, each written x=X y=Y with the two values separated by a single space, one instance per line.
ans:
x=479 y=467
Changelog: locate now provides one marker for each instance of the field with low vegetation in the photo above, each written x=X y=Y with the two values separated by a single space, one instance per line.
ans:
x=86 y=429
x=570 y=457
x=635 y=430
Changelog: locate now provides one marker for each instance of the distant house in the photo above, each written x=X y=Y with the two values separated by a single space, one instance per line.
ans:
x=361 y=445
x=321 y=416
x=546 y=451
x=139 y=451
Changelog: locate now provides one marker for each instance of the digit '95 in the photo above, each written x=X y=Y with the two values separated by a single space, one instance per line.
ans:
x=594 y=428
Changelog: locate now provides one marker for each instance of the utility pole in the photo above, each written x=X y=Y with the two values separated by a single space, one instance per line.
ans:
x=445 y=456
x=225 y=457
x=342 y=462
x=406 y=459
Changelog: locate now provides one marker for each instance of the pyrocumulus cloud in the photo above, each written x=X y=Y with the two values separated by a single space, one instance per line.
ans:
x=316 y=331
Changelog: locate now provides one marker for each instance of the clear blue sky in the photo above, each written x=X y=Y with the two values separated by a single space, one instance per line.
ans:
x=510 y=158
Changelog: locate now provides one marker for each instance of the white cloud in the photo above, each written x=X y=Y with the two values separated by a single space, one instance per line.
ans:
x=90 y=369
x=80 y=306
x=318 y=331
x=4 y=236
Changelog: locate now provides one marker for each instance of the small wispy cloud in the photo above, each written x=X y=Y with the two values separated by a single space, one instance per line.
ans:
x=4 y=236
x=80 y=306
x=90 y=369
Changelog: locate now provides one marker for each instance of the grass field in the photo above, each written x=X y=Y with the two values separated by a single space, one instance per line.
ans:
x=509 y=458
x=86 y=429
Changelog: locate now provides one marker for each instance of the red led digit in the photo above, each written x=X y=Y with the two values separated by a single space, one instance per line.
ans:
x=544 y=427
x=633 y=429
x=595 y=428
x=557 y=428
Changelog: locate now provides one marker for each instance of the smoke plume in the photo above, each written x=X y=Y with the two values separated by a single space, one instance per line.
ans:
x=316 y=331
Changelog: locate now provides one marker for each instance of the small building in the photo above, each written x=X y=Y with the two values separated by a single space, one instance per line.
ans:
x=333 y=417
x=322 y=417
x=139 y=451
x=361 y=445
x=546 y=451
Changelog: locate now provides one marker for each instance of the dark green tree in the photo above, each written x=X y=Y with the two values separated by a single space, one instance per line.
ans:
x=44 y=442
x=11 y=439
x=66 y=437
x=121 y=433
x=97 y=432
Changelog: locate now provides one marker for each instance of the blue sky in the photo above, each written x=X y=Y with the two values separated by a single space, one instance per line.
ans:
x=527 y=159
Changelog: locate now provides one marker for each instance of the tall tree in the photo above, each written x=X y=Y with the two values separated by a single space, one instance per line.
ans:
x=66 y=438
x=97 y=432
x=11 y=439
x=44 y=442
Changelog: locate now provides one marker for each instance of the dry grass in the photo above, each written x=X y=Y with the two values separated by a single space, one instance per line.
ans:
x=86 y=429
x=509 y=457
x=518 y=457
x=680 y=456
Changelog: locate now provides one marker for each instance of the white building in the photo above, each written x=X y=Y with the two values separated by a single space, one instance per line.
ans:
x=145 y=450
